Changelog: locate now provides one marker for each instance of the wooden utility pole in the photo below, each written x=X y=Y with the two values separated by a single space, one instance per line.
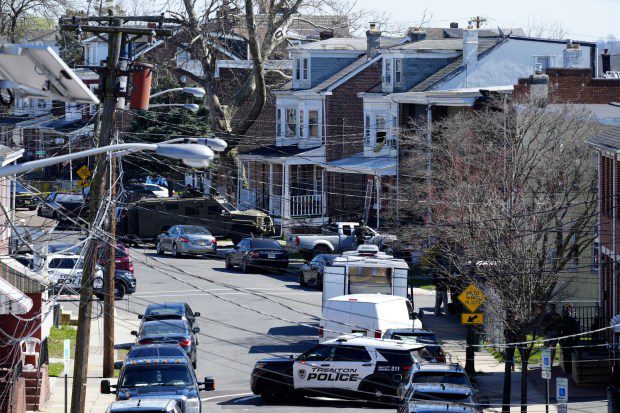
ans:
x=114 y=30
x=479 y=20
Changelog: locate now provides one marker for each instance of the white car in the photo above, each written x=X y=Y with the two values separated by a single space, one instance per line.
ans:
x=66 y=269
x=159 y=191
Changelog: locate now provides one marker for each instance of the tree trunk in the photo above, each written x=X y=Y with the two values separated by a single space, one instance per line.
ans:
x=509 y=362
x=524 y=363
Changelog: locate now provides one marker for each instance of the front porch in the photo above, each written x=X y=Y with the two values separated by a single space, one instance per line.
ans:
x=289 y=188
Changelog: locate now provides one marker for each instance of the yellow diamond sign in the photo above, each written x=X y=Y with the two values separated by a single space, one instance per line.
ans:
x=83 y=172
x=472 y=297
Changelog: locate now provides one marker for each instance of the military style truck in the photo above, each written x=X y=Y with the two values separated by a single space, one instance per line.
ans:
x=142 y=221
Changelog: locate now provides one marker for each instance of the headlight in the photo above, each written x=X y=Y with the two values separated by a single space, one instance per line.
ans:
x=192 y=405
x=98 y=283
x=260 y=365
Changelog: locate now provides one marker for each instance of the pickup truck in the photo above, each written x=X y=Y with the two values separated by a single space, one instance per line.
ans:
x=338 y=238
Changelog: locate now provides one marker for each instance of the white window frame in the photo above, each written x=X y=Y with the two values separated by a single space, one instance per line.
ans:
x=303 y=109
x=398 y=72
x=551 y=59
x=388 y=68
x=370 y=128
x=301 y=71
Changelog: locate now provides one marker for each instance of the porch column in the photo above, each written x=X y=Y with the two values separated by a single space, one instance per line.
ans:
x=286 y=198
x=270 y=187
x=378 y=187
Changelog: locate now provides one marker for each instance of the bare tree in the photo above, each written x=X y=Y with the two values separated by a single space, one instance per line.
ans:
x=513 y=197
x=546 y=29
x=17 y=17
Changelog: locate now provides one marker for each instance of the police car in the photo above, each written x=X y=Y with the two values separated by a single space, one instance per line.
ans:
x=160 y=378
x=440 y=407
x=351 y=365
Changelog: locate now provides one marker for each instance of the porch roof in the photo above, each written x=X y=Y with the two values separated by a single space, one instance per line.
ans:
x=12 y=300
x=290 y=154
x=21 y=277
x=359 y=164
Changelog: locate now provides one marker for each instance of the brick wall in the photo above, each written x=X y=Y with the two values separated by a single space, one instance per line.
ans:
x=575 y=86
x=345 y=114
x=13 y=398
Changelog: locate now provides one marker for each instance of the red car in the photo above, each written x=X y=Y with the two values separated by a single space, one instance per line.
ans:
x=122 y=258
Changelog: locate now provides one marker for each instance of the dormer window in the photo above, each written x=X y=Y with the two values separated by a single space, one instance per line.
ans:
x=301 y=72
x=398 y=71
x=387 y=71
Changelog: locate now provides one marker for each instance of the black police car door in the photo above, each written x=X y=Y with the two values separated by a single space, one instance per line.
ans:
x=350 y=366
x=311 y=369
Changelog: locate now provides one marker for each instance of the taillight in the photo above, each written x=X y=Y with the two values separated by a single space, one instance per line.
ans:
x=183 y=239
x=378 y=333
x=254 y=254
x=407 y=368
x=185 y=343
x=297 y=241
x=213 y=241
x=321 y=332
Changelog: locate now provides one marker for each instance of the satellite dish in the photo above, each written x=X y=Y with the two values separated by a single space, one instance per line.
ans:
x=37 y=71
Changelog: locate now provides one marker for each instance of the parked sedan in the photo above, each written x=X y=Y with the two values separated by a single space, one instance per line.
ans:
x=186 y=239
x=257 y=253
x=170 y=311
x=61 y=206
x=419 y=336
x=122 y=260
x=312 y=273
x=169 y=331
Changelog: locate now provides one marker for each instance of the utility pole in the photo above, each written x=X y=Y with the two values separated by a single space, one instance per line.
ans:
x=114 y=30
x=479 y=20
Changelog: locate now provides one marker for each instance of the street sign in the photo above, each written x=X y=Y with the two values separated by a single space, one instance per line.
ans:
x=546 y=375
x=472 y=297
x=469 y=318
x=561 y=389
x=83 y=172
x=83 y=184
x=546 y=359
x=67 y=355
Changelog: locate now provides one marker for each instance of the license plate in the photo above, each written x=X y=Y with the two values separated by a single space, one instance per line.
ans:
x=271 y=255
x=202 y=242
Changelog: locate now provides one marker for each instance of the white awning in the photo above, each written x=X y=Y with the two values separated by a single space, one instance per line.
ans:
x=13 y=300
x=359 y=164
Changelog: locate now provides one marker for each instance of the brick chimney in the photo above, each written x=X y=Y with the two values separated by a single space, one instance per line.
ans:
x=470 y=47
x=416 y=35
x=326 y=34
x=454 y=25
x=373 y=38
x=573 y=55
x=606 y=59
x=539 y=87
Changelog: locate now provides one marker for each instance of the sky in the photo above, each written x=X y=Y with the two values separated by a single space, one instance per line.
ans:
x=586 y=20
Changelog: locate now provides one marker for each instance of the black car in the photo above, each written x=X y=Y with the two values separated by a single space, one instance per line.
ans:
x=160 y=378
x=170 y=311
x=419 y=336
x=312 y=273
x=62 y=206
x=161 y=350
x=257 y=253
x=170 y=331
x=25 y=198
x=124 y=284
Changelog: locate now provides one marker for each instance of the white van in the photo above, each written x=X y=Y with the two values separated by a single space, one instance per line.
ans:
x=367 y=314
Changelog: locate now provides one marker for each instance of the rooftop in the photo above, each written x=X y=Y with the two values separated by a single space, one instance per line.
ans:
x=344 y=43
x=610 y=139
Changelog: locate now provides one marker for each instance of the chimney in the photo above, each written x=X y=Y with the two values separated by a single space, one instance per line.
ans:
x=373 y=38
x=573 y=55
x=539 y=87
x=470 y=47
x=416 y=35
x=454 y=25
x=606 y=59
x=326 y=34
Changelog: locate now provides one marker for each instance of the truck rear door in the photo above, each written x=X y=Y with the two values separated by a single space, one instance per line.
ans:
x=333 y=282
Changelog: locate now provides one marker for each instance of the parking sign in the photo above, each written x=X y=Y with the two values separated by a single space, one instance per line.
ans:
x=561 y=389
x=67 y=355
x=546 y=359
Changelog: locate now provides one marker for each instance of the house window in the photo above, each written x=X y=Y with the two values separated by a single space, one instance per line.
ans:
x=291 y=122
x=398 y=71
x=381 y=130
x=542 y=63
x=367 y=128
x=297 y=69
x=278 y=122
x=301 y=124
x=387 y=72
x=305 y=69
x=313 y=124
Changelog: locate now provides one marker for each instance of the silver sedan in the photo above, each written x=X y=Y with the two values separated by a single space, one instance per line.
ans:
x=186 y=239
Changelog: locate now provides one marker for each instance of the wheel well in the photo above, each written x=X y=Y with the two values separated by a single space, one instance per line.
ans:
x=371 y=381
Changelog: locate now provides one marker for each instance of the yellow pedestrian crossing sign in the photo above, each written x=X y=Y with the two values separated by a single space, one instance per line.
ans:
x=83 y=183
x=83 y=172
x=472 y=297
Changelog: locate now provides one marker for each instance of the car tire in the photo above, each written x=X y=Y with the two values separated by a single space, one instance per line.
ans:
x=32 y=208
x=194 y=364
x=271 y=394
x=55 y=215
x=158 y=249
x=175 y=251
x=119 y=291
x=302 y=282
x=319 y=281
x=244 y=266
x=229 y=265
x=39 y=213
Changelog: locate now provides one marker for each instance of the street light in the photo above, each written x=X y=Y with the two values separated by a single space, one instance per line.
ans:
x=192 y=154
x=196 y=91
x=189 y=106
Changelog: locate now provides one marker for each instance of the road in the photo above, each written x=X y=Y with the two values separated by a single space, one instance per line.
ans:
x=244 y=317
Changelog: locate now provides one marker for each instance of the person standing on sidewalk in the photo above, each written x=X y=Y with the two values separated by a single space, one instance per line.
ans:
x=552 y=325
x=441 y=293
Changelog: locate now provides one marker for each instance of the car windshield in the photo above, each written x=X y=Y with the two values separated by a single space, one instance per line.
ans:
x=64 y=249
x=196 y=230
x=156 y=352
x=156 y=375
x=118 y=252
x=19 y=188
x=69 y=198
x=164 y=328
x=226 y=205
x=64 y=263
x=162 y=312
x=265 y=244
x=440 y=377
x=415 y=338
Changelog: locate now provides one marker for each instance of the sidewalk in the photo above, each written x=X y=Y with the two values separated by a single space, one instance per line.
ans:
x=95 y=401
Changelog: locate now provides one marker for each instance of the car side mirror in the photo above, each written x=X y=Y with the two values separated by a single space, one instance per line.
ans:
x=105 y=387
x=196 y=314
x=292 y=357
x=209 y=384
x=140 y=316
x=134 y=333
x=118 y=365
x=196 y=330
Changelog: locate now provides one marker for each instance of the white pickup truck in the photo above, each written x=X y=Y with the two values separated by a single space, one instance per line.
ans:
x=338 y=238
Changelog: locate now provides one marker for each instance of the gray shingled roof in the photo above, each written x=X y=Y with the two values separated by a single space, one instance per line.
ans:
x=344 y=43
x=441 y=44
x=484 y=47
x=610 y=139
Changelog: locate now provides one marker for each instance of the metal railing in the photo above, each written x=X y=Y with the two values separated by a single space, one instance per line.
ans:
x=306 y=205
